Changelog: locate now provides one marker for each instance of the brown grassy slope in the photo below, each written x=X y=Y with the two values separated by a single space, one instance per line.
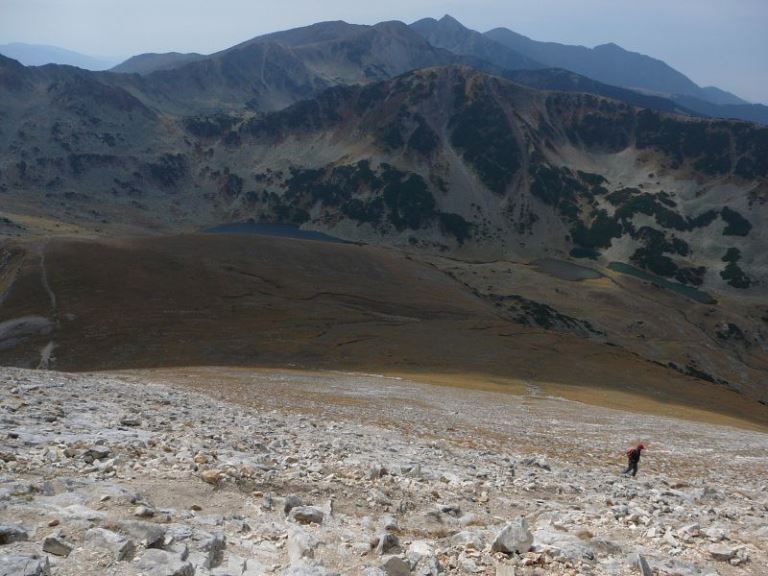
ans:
x=253 y=301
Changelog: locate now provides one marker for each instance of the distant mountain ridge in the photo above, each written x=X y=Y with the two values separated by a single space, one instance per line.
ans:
x=39 y=55
x=450 y=34
x=274 y=70
x=151 y=62
x=612 y=64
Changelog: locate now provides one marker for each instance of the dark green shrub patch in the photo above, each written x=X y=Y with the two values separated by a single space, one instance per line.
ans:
x=737 y=225
x=481 y=132
x=410 y=203
x=456 y=226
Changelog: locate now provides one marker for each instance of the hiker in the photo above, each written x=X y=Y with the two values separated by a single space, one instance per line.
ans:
x=633 y=458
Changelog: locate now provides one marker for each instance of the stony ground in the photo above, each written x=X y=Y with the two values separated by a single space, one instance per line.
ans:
x=329 y=473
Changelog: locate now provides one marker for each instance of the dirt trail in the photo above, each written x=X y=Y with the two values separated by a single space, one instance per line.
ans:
x=46 y=352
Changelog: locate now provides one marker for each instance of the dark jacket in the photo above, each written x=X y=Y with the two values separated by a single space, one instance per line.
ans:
x=634 y=455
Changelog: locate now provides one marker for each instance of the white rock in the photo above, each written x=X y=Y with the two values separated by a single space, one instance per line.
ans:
x=722 y=552
x=301 y=545
x=515 y=537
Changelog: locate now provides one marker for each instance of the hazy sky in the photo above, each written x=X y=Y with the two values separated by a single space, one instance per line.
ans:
x=714 y=42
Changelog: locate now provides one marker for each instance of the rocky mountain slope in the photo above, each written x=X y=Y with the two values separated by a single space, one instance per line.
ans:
x=442 y=159
x=348 y=474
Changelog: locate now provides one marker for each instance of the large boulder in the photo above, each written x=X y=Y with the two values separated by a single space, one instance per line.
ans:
x=119 y=545
x=514 y=538
x=292 y=502
x=306 y=515
x=148 y=534
x=56 y=544
x=10 y=533
x=156 y=562
x=395 y=566
x=722 y=552
x=20 y=565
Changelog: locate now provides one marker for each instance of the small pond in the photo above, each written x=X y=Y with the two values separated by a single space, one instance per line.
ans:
x=687 y=291
x=566 y=270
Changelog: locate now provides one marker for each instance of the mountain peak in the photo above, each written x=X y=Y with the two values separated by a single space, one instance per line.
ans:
x=610 y=46
x=448 y=19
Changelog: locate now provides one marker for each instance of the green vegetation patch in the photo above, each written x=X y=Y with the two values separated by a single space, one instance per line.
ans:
x=168 y=170
x=79 y=164
x=707 y=143
x=652 y=257
x=480 y=130
x=307 y=115
x=599 y=233
x=411 y=204
x=456 y=226
x=212 y=126
x=737 y=225
x=558 y=187
x=733 y=274
x=374 y=197
x=531 y=313
x=423 y=140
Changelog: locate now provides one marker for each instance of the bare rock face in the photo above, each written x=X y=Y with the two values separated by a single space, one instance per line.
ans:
x=514 y=538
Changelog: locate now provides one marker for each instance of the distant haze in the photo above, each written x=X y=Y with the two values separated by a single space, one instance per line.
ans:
x=713 y=42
